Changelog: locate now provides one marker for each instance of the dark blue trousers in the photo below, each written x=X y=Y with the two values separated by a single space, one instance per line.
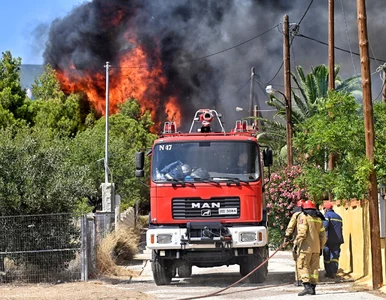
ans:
x=331 y=254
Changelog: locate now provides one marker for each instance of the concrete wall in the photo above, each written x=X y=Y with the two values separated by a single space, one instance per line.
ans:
x=355 y=252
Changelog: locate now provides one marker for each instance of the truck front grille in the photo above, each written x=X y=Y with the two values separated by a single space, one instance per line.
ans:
x=197 y=208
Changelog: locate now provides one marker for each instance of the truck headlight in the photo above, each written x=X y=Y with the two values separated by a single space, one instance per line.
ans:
x=164 y=238
x=248 y=236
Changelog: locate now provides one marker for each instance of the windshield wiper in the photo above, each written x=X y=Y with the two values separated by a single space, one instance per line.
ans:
x=176 y=182
x=230 y=180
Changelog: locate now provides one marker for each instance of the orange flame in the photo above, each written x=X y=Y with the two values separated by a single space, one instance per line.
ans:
x=133 y=76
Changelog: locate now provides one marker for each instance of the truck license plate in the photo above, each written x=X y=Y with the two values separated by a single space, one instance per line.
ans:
x=227 y=211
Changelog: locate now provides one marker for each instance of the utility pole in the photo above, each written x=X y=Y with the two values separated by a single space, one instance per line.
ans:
x=384 y=85
x=251 y=99
x=376 y=260
x=331 y=44
x=287 y=85
x=107 y=66
x=251 y=102
x=331 y=70
x=108 y=194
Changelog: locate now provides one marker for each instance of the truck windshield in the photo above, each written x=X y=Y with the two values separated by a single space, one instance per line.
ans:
x=202 y=161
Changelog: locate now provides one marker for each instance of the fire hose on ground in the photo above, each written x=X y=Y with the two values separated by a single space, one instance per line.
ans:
x=282 y=246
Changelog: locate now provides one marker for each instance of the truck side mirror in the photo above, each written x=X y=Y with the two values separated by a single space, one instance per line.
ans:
x=267 y=157
x=139 y=164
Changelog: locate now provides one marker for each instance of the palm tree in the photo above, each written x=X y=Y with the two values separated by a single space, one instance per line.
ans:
x=312 y=88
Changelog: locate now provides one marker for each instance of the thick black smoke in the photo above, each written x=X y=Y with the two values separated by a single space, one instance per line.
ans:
x=187 y=30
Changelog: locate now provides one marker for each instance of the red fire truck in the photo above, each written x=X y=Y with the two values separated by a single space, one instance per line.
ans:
x=206 y=199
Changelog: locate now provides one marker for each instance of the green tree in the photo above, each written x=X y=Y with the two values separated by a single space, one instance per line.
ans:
x=380 y=140
x=313 y=87
x=12 y=96
x=36 y=177
x=336 y=126
x=46 y=86
x=310 y=89
x=35 y=174
x=65 y=115
x=129 y=131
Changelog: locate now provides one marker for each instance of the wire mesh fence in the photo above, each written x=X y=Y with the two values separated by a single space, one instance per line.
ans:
x=50 y=248
x=40 y=248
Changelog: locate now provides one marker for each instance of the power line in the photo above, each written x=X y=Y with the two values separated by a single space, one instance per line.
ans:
x=293 y=56
x=261 y=87
x=348 y=37
x=243 y=86
x=381 y=90
x=277 y=72
x=295 y=31
x=212 y=54
x=309 y=5
x=233 y=47
x=337 y=48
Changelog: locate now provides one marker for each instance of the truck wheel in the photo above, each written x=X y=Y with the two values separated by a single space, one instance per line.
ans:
x=244 y=269
x=162 y=271
x=260 y=275
x=185 y=270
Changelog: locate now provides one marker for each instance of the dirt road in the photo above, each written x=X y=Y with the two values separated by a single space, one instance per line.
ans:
x=279 y=285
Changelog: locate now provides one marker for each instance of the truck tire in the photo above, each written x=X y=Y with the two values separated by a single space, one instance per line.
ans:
x=162 y=271
x=185 y=270
x=251 y=262
x=244 y=269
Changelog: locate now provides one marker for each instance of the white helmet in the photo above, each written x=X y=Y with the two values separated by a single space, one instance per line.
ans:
x=186 y=169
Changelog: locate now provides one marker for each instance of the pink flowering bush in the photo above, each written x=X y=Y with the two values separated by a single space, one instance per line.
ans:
x=281 y=194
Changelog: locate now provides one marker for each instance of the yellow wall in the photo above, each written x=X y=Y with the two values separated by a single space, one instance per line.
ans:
x=355 y=252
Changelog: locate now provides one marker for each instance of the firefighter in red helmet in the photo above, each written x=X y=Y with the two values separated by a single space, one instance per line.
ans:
x=309 y=244
x=291 y=231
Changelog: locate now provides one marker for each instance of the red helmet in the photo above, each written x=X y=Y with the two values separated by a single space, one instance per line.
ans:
x=300 y=203
x=309 y=205
x=328 y=205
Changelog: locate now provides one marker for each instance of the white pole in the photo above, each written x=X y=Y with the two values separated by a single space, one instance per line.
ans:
x=107 y=125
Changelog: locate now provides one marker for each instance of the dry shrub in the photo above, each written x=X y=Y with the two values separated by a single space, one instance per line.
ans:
x=118 y=247
x=142 y=222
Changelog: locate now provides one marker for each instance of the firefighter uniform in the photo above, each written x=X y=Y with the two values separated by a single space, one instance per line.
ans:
x=331 y=252
x=309 y=242
x=291 y=227
x=291 y=231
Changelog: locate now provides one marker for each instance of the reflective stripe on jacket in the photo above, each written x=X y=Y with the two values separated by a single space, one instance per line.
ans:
x=334 y=228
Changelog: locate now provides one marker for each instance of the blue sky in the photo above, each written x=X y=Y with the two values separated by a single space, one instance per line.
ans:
x=24 y=22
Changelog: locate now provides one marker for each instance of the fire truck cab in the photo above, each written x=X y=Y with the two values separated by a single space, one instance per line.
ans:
x=206 y=199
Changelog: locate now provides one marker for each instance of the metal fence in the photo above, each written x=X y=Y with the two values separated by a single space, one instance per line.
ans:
x=50 y=248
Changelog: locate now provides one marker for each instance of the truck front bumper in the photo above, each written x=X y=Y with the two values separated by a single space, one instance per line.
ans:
x=177 y=238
